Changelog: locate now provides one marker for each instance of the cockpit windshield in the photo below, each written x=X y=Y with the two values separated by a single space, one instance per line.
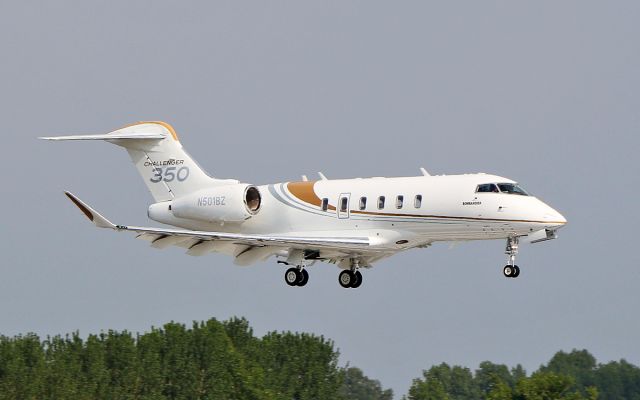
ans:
x=509 y=188
x=487 y=188
x=512 y=188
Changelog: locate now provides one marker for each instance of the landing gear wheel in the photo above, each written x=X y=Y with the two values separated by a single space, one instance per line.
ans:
x=292 y=276
x=358 y=280
x=346 y=279
x=508 y=271
x=516 y=271
x=304 y=277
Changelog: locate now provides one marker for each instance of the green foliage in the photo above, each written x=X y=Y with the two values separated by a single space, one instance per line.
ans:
x=224 y=360
x=579 y=364
x=210 y=360
x=618 y=380
x=567 y=376
x=547 y=386
x=489 y=375
x=356 y=386
x=445 y=382
x=301 y=366
x=428 y=389
x=499 y=390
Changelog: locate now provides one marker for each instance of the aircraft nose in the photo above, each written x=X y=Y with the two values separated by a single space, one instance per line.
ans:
x=553 y=217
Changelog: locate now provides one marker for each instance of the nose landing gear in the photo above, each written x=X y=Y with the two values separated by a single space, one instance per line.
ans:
x=511 y=270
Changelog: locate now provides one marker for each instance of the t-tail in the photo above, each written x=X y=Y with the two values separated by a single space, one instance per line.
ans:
x=166 y=168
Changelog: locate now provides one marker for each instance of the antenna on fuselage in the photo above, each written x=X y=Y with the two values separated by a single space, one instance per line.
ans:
x=324 y=178
x=304 y=178
x=424 y=172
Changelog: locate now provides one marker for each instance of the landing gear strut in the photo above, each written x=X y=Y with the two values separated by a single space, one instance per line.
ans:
x=296 y=276
x=511 y=270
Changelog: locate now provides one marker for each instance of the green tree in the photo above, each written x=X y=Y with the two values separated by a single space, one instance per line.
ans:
x=357 y=386
x=299 y=366
x=151 y=350
x=456 y=382
x=64 y=376
x=221 y=372
x=500 y=390
x=548 y=386
x=429 y=388
x=618 y=380
x=488 y=375
x=122 y=362
x=22 y=367
x=518 y=373
x=578 y=364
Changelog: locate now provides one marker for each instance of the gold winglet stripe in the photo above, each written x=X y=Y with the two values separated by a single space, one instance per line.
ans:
x=82 y=208
x=162 y=123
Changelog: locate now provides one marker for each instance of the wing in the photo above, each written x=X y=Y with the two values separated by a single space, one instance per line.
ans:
x=246 y=248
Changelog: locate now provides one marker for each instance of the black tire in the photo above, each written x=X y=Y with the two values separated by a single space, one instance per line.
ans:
x=304 y=277
x=358 y=280
x=516 y=271
x=346 y=278
x=508 y=271
x=292 y=276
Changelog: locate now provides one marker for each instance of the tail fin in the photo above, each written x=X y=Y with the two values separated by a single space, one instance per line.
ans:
x=167 y=170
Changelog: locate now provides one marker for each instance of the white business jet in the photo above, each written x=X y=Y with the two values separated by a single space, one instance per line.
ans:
x=352 y=223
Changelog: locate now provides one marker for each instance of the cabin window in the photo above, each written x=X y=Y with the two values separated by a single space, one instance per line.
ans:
x=487 y=188
x=380 y=202
x=325 y=204
x=363 y=203
x=417 y=202
x=399 y=201
x=344 y=203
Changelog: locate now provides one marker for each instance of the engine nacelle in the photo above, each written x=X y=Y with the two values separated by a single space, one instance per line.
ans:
x=229 y=203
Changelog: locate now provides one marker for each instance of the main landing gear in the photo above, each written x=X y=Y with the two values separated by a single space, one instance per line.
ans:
x=348 y=278
x=296 y=276
x=351 y=278
x=511 y=270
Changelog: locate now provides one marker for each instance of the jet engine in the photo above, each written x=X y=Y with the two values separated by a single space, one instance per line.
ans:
x=230 y=203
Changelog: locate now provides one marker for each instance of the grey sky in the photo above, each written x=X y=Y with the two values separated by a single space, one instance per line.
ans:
x=547 y=93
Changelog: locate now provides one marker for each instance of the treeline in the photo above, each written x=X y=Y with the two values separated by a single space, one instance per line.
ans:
x=572 y=376
x=209 y=360
x=224 y=360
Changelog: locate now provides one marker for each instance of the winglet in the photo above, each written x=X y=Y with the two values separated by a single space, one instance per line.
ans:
x=94 y=216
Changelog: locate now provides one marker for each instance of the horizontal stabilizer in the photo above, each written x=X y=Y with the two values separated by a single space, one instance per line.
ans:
x=110 y=136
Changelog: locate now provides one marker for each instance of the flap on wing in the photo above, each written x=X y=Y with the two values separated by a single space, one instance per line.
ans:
x=256 y=240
